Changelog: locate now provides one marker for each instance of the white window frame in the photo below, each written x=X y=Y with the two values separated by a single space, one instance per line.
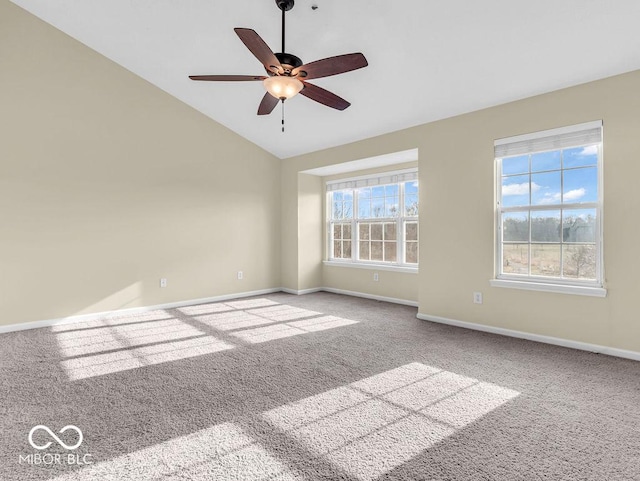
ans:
x=398 y=177
x=535 y=143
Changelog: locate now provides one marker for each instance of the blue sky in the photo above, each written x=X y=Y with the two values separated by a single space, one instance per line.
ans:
x=580 y=177
x=378 y=201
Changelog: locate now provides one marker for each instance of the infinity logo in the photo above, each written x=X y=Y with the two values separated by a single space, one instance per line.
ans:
x=52 y=434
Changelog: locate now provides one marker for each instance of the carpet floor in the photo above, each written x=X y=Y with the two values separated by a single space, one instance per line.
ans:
x=314 y=387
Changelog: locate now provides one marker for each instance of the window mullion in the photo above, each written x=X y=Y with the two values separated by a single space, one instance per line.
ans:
x=562 y=214
x=355 y=253
x=400 y=226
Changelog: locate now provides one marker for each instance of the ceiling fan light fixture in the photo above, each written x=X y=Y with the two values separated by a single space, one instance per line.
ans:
x=282 y=87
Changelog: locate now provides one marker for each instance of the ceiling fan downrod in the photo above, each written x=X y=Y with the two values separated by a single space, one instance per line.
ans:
x=285 y=6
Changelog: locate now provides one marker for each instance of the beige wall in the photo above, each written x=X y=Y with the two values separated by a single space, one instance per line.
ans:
x=456 y=170
x=289 y=234
x=398 y=286
x=107 y=184
x=310 y=227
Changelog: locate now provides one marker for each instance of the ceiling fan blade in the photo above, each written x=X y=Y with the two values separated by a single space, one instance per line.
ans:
x=331 y=66
x=324 y=96
x=227 y=78
x=267 y=105
x=259 y=48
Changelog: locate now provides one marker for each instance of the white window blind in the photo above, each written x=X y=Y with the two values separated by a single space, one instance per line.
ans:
x=359 y=182
x=555 y=139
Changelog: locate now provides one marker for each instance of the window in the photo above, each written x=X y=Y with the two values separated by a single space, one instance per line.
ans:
x=549 y=208
x=374 y=219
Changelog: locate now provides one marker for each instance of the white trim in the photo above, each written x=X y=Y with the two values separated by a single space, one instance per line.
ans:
x=547 y=287
x=582 y=346
x=379 y=161
x=374 y=267
x=594 y=124
x=381 y=178
x=134 y=310
x=301 y=292
x=365 y=295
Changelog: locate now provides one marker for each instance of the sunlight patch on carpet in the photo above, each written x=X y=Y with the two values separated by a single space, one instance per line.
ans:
x=109 y=345
x=228 y=321
x=223 y=452
x=123 y=360
x=374 y=425
x=111 y=338
x=113 y=320
x=364 y=430
x=289 y=329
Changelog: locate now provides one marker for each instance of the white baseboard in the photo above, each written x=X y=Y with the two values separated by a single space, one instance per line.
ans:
x=582 y=346
x=301 y=292
x=171 y=305
x=393 y=300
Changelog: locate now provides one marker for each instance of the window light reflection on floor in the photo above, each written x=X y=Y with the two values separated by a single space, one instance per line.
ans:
x=284 y=313
x=113 y=344
x=280 y=331
x=267 y=319
x=105 y=339
x=224 y=452
x=100 y=364
x=114 y=320
x=228 y=321
x=374 y=425
x=227 y=306
x=364 y=430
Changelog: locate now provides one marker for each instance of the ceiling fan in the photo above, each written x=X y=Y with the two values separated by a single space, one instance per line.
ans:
x=286 y=74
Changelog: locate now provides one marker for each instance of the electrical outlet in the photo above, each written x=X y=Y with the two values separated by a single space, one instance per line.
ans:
x=477 y=297
x=163 y=282
x=240 y=275
x=376 y=278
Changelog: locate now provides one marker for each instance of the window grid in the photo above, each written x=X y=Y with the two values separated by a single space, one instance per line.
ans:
x=579 y=256
x=388 y=237
x=411 y=242
x=342 y=240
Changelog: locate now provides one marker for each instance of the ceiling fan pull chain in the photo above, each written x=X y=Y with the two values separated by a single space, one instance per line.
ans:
x=282 y=115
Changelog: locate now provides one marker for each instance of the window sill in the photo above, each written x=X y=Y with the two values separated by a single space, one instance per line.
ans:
x=375 y=267
x=549 y=287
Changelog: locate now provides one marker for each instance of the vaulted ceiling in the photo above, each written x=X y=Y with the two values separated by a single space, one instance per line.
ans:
x=428 y=59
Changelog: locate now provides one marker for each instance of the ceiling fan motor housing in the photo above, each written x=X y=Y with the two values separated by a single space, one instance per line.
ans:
x=288 y=62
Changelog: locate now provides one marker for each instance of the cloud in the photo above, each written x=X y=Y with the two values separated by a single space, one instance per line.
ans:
x=550 y=198
x=590 y=150
x=572 y=195
x=519 y=189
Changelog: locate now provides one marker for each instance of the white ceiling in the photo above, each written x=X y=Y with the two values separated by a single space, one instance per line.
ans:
x=428 y=59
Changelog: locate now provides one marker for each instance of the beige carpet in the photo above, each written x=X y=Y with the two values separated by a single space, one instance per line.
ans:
x=316 y=387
